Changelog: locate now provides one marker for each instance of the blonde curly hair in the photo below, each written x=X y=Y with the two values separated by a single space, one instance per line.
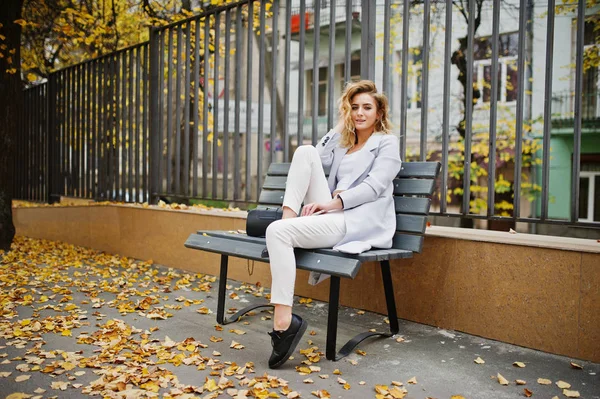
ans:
x=382 y=125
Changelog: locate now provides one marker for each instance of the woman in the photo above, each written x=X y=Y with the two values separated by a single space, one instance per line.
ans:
x=351 y=211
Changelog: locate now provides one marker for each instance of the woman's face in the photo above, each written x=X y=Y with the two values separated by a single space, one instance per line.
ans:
x=364 y=112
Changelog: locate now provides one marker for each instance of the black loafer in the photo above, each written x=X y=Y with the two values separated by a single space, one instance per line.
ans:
x=284 y=342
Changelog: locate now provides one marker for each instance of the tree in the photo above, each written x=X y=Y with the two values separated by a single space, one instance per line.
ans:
x=11 y=101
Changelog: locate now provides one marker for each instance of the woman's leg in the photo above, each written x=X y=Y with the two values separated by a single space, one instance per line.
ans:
x=306 y=182
x=282 y=237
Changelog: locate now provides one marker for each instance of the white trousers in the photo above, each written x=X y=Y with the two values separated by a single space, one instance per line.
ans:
x=306 y=182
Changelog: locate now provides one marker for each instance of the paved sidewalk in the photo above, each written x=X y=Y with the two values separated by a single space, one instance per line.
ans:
x=76 y=322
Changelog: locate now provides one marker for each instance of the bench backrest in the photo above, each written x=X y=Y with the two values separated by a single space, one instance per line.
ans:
x=413 y=188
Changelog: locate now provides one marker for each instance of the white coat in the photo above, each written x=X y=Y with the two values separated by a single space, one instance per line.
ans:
x=369 y=210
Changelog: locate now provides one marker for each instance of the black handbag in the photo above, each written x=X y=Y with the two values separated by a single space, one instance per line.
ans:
x=259 y=219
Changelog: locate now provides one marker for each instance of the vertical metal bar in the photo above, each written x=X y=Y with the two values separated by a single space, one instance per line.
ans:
x=331 y=67
x=109 y=127
x=425 y=80
x=519 y=111
x=367 y=52
x=547 y=109
x=169 y=132
x=469 y=112
x=446 y=106
x=138 y=132
x=301 y=74
x=315 y=71
x=205 y=148
x=123 y=126
x=117 y=142
x=89 y=107
x=249 y=102
x=154 y=111
x=96 y=84
x=79 y=134
x=348 y=42
x=274 y=69
x=101 y=131
x=578 y=107
x=227 y=74
x=387 y=16
x=404 y=79
x=196 y=107
x=237 y=177
x=261 y=98
x=51 y=111
x=215 y=143
x=72 y=131
x=177 y=127
x=161 y=133
x=145 y=119
x=493 y=110
x=131 y=114
x=286 y=78
x=186 y=112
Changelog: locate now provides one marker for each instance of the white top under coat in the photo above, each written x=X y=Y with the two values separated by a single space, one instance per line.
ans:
x=344 y=173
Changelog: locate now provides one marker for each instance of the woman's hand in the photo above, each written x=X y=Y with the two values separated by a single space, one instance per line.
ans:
x=314 y=207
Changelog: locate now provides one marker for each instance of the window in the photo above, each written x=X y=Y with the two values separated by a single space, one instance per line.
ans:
x=507 y=68
x=589 y=192
x=415 y=66
x=591 y=42
x=322 y=88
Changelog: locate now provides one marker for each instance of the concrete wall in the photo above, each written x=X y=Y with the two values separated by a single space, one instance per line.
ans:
x=536 y=291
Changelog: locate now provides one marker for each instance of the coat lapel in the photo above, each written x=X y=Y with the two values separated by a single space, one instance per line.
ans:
x=338 y=154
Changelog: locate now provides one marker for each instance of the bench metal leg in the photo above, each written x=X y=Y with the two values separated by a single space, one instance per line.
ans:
x=334 y=294
x=221 y=298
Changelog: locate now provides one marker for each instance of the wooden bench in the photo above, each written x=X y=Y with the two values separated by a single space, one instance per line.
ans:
x=413 y=189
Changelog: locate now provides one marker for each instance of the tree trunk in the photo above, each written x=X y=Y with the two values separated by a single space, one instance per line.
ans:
x=11 y=102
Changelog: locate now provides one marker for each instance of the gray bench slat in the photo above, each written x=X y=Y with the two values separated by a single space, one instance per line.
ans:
x=427 y=170
x=282 y=169
x=274 y=183
x=411 y=223
x=408 y=242
x=413 y=186
x=305 y=259
x=271 y=197
x=368 y=256
x=412 y=205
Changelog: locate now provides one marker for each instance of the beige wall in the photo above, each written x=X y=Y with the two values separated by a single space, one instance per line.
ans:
x=531 y=295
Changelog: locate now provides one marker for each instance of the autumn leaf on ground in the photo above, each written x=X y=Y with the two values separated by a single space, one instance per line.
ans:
x=502 y=380
x=18 y=395
x=563 y=385
x=527 y=392
x=238 y=332
x=519 y=364
x=412 y=380
x=479 y=361
x=22 y=378
x=520 y=382
x=236 y=345
x=321 y=393
x=576 y=366
x=570 y=394
x=544 y=381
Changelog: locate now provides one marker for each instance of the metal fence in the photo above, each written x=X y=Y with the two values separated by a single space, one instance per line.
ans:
x=200 y=110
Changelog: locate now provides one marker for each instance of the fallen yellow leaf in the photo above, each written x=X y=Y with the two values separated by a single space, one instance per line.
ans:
x=544 y=381
x=570 y=394
x=520 y=382
x=519 y=364
x=502 y=380
x=479 y=361
x=563 y=385
x=527 y=392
